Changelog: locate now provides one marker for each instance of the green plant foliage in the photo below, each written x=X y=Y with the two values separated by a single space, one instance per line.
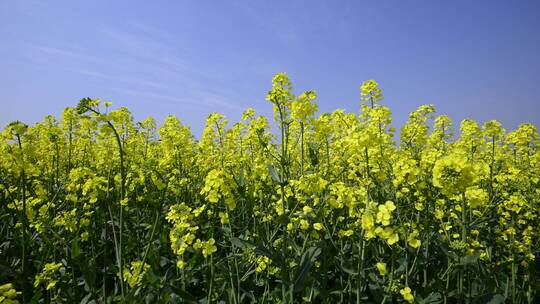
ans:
x=98 y=208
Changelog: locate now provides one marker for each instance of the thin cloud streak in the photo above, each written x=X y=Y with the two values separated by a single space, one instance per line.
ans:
x=126 y=79
x=198 y=99
x=63 y=52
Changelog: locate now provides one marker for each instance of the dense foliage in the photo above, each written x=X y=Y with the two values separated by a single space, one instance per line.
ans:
x=98 y=208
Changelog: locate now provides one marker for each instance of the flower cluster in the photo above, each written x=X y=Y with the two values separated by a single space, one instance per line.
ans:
x=49 y=275
x=135 y=274
x=8 y=294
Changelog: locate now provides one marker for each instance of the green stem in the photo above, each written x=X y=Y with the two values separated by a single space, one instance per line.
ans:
x=302 y=147
x=209 y=297
x=283 y=160
x=24 y=261
x=122 y=194
x=464 y=240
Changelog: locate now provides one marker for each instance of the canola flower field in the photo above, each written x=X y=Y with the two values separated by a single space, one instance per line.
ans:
x=331 y=208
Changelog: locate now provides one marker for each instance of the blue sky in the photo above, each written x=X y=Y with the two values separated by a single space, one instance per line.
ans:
x=472 y=59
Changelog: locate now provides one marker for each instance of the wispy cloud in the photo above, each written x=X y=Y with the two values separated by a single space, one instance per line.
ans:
x=145 y=42
x=144 y=60
x=161 y=50
x=198 y=99
x=82 y=63
x=119 y=78
x=70 y=54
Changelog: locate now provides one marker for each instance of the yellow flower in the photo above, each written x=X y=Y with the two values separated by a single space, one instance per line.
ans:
x=476 y=197
x=48 y=275
x=367 y=222
x=383 y=216
x=218 y=184
x=290 y=227
x=180 y=264
x=385 y=213
x=224 y=218
x=345 y=233
x=390 y=206
x=307 y=210
x=370 y=88
x=453 y=174
x=393 y=239
x=198 y=244
x=8 y=294
x=414 y=243
x=406 y=293
x=412 y=240
x=304 y=224
x=382 y=268
x=302 y=107
x=248 y=113
x=208 y=247
x=135 y=274
x=390 y=236
x=318 y=226
x=262 y=263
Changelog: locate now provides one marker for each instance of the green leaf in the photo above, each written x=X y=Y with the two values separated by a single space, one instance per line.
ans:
x=84 y=105
x=306 y=262
x=447 y=251
x=75 y=248
x=313 y=155
x=490 y=299
x=274 y=174
x=86 y=299
x=432 y=298
x=469 y=259
x=242 y=243
x=248 y=244
x=241 y=179
x=183 y=294
x=402 y=265
x=349 y=271
x=37 y=296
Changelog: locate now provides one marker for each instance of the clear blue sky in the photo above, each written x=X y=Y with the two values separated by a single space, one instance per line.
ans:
x=475 y=59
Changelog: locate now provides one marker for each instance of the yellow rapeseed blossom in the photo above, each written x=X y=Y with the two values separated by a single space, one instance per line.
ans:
x=224 y=218
x=49 y=275
x=8 y=294
x=385 y=213
x=208 y=247
x=476 y=197
x=262 y=263
x=406 y=294
x=304 y=224
x=318 y=226
x=389 y=235
x=381 y=267
x=303 y=107
x=135 y=274
x=218 y=185
x=453 y=174
x=412 y=240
